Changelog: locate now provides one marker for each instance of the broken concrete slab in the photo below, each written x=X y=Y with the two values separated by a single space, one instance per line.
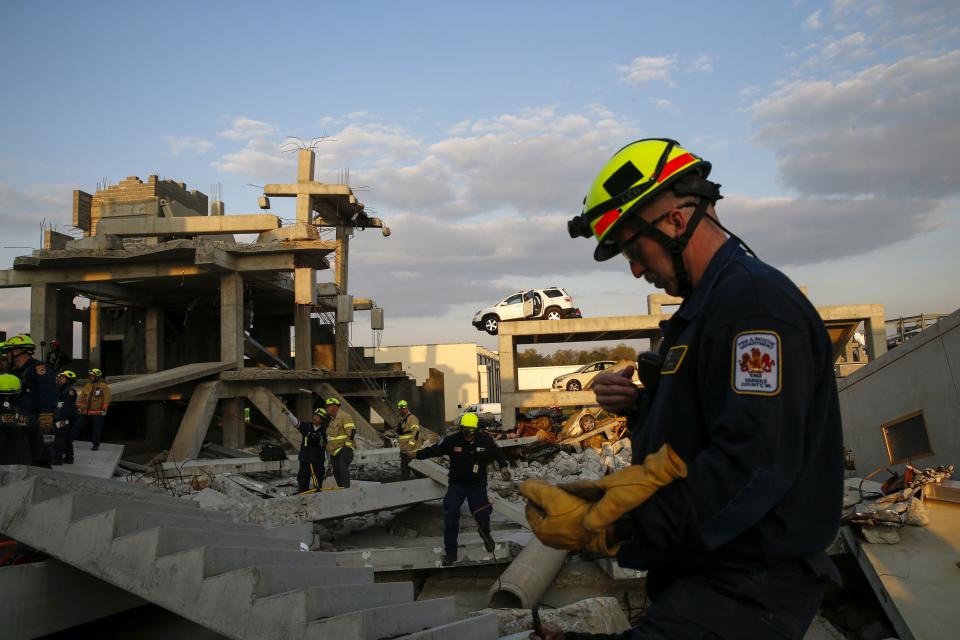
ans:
x=96 y=464
x=916 y=580
x=40 y=598
x=339 y=503
x=129 y=388
x=593 y=615
x=504 y=507
x=427 y=556
x=254 y=464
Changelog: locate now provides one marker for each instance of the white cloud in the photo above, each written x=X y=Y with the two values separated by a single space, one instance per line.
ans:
x=647 y=69
x=889 y=129
x=260 y=159
x=702 y=64
x=813 y=21
x=243 y=128
x=662 y=103
x=179 y=144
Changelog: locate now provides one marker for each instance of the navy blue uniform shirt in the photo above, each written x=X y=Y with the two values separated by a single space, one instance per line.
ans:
x=468 y=460
x=39 y=391
x=66 y=404
x=313 y=442
x=747 y=397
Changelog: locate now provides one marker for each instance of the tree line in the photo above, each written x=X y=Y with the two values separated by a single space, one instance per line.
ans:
x=531 y=358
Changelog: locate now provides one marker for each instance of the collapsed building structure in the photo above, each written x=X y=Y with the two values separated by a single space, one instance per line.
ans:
x=194 y=327
x=178 y=309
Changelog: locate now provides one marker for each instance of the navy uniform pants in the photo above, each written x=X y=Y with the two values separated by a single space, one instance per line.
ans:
x=96 y=425
x=309 y=472
x=341 y=467
x=480 y=507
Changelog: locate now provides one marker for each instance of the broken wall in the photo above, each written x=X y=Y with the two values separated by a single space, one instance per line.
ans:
x=923 y=374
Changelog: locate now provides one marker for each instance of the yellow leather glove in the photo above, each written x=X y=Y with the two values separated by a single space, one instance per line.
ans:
x=577 y=515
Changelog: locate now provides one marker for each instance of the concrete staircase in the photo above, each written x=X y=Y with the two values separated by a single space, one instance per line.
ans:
x=240 y=580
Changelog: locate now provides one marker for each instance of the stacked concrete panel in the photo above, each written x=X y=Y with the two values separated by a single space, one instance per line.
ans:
x=238 y=580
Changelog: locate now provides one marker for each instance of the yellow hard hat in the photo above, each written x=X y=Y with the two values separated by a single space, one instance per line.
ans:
x=469 y=421
x=403 y=404
x=22 y=341
x=66 y=373
x=635 y=175
x=9 y=384
x=319 y=411
x=96 y=372
x=331 y=401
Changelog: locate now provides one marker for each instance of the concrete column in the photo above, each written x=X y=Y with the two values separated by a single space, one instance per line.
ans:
x=342 y=334
x=508 y=378
x=93 y=334
x=231 y=318
x=303 y=355
x=234 y=425
x=305 y=163
x=875 y=329
x=154 y=336
x=43 y=313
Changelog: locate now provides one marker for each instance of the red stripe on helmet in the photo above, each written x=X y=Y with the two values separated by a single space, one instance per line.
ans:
x=603 y=223
x=674 y=165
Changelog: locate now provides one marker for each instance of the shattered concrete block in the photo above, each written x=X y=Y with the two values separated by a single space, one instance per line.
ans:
x=593 y=615
x=881 y=534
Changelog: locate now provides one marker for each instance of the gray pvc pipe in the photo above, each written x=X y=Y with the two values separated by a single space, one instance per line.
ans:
x=528 y=577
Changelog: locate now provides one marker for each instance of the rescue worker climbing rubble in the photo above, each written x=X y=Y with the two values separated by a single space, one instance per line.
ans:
x=38 y=397
x=736 y=487
x=408 y=437
x=469 y=451
x=14 y=440
x=340 y=431
x=312 y=449
x=93 y=403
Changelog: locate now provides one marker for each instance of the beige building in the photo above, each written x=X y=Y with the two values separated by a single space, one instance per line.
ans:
x=471 y=373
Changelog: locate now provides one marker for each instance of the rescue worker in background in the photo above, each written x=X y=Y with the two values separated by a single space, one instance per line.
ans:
x=408 y=437
x=340 y=442
x=469 y=450
x=38 y=397
x=736 y=487
x=312 y=451
x=65 y=418
x=93 y=403
x=14 y=441
x=56 y=357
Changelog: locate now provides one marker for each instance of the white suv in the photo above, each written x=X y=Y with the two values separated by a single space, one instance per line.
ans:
x=582 y=377
x=552 y=303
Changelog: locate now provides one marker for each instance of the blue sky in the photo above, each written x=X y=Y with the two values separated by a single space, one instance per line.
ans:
x=477 y=129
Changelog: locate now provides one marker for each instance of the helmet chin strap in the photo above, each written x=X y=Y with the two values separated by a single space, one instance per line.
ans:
x=676 y=246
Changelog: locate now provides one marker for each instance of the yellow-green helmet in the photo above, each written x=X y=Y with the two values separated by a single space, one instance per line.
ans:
x=469 y=421
x=331 y=401
x=634 y=176
x=403 y=404
x=69 y=375
x=320 y=411
x=9 y=384
x=96 y=372
x=22 y=341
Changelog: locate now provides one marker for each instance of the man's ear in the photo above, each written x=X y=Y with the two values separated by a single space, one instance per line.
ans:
x=678 y=220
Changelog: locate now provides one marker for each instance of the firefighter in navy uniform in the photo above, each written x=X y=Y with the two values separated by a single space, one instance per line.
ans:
x=736 y=487
x=408 y=437
x=469 y=451
x=312 y=449
x=65 y=418
x=14 y=442
x=38 y=397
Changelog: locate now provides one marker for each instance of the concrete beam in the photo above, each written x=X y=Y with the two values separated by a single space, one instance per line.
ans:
x=43 y=313
x=153 y=328
x=143 y=226
x=195 y=423
x=130 y=388
x=256 y=465
x=306 y=188
x=340 y=503
x=364 y=428
x=274 y=411
x=233 y=423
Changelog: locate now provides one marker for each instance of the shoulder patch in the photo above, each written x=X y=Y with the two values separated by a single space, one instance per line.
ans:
x=675 y=355
x=756 y=363
x=41 y=369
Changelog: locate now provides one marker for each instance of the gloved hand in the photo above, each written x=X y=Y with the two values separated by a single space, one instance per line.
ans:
x=505 y=474
x=104 y=412
x=579 y=513
x=45 y=422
